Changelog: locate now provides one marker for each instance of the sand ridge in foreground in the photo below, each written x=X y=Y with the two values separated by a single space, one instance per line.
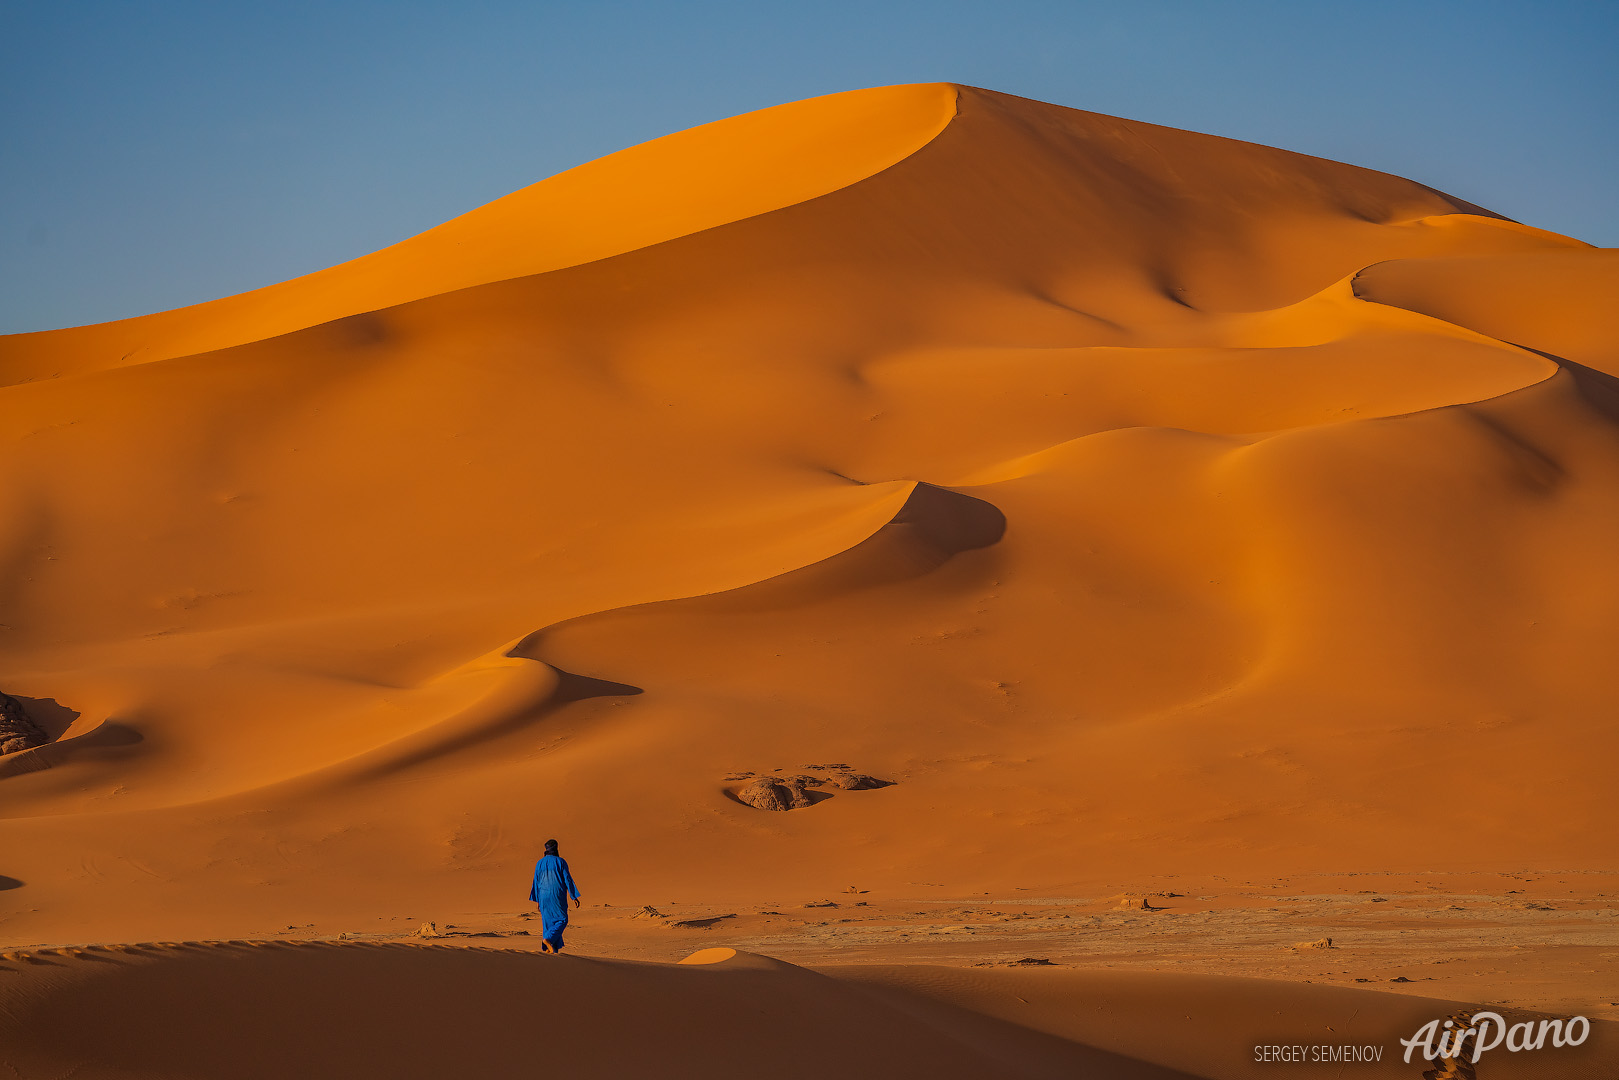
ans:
x=276 y=1008
x=1136 y=501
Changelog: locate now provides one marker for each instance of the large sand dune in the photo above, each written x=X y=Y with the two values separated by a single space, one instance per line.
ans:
x=1134 y=500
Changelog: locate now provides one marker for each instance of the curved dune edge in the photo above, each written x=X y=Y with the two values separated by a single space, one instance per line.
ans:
x=1465 y=221
x=503 y=689
x=1558 y=302
x=1336 y=314
x=510 y=687
x=225 y=1009
x=657 y=191
x=488 y=695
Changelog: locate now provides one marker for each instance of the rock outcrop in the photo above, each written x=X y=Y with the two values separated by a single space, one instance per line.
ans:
x=787 y=792
x=17 y=731
x=853 y=781
x=775 y=793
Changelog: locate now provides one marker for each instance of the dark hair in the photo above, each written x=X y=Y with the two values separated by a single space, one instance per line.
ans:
x=550 y=847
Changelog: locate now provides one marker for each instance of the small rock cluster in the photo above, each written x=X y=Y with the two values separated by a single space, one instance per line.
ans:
x=17 y=732
x=788 y=792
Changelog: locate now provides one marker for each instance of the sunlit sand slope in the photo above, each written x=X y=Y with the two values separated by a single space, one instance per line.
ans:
x=670 y=187
x=1129 y=497
x=1559 y=301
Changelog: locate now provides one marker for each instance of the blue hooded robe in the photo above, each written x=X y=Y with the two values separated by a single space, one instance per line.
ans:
x=552 y=887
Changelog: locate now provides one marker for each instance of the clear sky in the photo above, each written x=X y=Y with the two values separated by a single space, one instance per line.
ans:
x=155 y=154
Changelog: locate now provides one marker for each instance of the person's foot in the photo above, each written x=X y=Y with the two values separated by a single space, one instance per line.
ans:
x=545 y=946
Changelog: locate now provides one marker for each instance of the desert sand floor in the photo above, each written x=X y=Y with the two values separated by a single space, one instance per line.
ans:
x=1123 y=547
x=368 y=1005
x=1185 y=979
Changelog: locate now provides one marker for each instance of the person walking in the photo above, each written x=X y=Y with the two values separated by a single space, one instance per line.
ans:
x=553 y=886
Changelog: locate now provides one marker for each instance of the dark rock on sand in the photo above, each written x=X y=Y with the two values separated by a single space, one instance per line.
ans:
x=853 y=781
x=774 y=793
x=17 y=731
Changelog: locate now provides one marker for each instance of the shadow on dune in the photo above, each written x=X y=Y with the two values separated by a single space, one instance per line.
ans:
x=1599 y=389
x=951 y=521
x=106 y=738
x=8 y=883
x=571 y=687
x=200 y=1009
x=51 y=717
x=934 y=525
x=499 y=710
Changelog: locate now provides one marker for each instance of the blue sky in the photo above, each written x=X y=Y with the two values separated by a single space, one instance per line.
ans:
x=160 y=154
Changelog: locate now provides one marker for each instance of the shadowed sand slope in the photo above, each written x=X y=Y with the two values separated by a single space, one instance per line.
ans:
x=1210 y=1025
x=276 y=1009
x=1136 y=495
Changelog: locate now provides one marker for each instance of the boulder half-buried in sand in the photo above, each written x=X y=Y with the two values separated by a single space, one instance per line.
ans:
x=853 y=781
x=770 y=793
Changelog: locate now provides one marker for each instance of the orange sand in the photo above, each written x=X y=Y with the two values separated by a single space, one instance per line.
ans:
x=271 y=1010
x=1138 y=501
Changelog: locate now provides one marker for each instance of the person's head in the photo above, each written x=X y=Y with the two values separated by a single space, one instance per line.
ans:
x=550 y=847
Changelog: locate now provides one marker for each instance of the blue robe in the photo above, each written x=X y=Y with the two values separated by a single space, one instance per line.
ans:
x=552 y=887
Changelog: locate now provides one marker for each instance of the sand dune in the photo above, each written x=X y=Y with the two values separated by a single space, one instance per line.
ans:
x=1550 y=301
x=235 y=1010
x=667 y=188
x=1137 y=501
x=277 y=1009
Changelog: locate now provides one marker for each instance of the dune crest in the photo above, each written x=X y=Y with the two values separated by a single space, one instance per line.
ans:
x=657 y=191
